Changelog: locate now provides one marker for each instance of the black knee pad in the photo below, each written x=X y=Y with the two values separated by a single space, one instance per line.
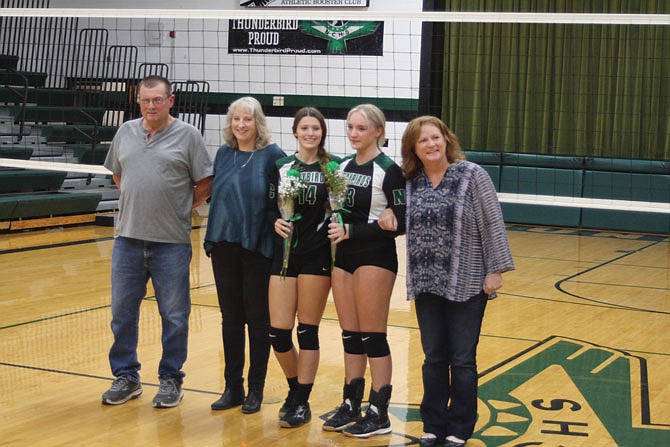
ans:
x=352 y=343
x=281 y=339
x=308 y=336
x=375 y=344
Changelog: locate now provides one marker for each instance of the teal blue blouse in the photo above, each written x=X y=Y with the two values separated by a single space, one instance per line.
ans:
x=239 y=205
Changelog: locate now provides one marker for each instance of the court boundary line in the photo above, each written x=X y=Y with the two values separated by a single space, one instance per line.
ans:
x=67 y=244
x=558 y=285
x=592 y=303
x=93 y=376
x=334 y=320
x=551 y=230
x=569 y=231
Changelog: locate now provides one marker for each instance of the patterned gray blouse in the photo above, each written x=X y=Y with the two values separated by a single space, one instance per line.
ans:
x=455 y=233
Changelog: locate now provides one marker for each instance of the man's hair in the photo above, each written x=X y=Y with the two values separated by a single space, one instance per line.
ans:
x=154 y=80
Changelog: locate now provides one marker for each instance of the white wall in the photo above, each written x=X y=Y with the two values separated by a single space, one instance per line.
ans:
x=199 y=51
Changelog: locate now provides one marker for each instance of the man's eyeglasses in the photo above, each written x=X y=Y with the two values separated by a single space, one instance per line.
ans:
x=154 y=101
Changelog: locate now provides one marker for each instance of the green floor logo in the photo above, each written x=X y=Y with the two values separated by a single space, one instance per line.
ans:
x=559 y=393
x=565 y=392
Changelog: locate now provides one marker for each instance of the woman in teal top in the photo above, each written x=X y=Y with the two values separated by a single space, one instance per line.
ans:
x=239 y=240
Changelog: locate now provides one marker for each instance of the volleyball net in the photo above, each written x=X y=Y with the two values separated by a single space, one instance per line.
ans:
x=563 y=110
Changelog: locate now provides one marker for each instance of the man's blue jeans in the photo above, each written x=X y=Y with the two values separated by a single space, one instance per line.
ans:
x=449 y=336
x=133 y=263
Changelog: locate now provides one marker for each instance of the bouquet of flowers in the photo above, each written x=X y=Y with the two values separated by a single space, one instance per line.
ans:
x=337 y=183
x=289 y=189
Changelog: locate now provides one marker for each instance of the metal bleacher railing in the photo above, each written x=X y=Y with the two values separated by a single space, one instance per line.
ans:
x=63 y=93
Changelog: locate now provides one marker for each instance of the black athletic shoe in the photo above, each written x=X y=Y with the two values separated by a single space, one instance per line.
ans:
x=371 y=424
x=296 y=415
x=286 y=406
x=290 y=397
x=122 y=390
x=344 y=416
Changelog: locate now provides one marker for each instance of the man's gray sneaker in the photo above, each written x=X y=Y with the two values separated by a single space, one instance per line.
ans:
x=122 y=390
x=169 y=394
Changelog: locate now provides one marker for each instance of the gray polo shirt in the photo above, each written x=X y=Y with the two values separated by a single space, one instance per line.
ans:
x=157 y=179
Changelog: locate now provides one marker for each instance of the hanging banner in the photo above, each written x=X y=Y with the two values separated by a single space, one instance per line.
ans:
x=307 y=3
x=284 y=36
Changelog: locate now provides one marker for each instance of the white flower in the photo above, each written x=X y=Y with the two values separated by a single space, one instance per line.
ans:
x=290 y=187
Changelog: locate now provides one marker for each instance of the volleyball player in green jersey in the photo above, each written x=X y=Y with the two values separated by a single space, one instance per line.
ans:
x=303 y=288
x=366 y=264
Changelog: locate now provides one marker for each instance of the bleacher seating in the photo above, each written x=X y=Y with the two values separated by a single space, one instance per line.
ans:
x=56 y=134
x=49 y=124
x=15 y=207
x=89 y=155
x=18 y=152
x=40 y=96
x=71 y=114
x=22 y=78
x=8 y=62
x=28 y=180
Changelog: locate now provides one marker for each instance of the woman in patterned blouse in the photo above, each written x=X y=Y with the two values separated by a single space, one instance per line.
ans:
x=457 y=250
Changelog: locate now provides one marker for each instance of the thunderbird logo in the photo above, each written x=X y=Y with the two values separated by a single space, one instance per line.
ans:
x=568 y=393
x=561 y=393
x=338 y=32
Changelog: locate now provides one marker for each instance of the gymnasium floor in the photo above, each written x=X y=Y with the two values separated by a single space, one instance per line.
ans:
x=574 y=352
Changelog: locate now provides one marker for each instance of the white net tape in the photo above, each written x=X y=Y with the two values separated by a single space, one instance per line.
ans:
x=350 y=14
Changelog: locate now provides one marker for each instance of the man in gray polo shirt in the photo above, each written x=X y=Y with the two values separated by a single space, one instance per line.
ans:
x=163 y=170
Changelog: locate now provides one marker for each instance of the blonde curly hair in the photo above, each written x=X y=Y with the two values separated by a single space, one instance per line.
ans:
x=251 y=105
